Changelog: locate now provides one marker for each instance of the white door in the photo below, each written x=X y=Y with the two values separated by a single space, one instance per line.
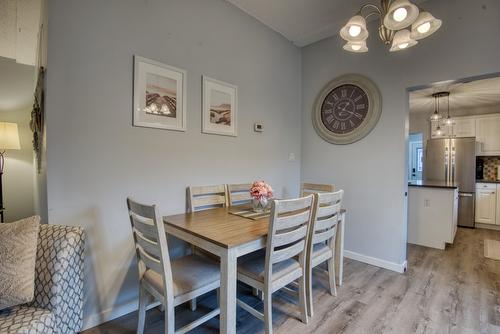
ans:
x=486 y=203
x=488 y=135
x=416 y=161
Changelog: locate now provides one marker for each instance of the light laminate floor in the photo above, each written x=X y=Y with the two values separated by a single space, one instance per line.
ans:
x=451 y=291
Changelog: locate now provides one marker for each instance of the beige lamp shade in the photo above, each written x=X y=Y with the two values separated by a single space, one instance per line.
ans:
x=355 y=29
x=358 y=47
x=402 y=40
x=401 y=14
x=424 y=25
x=9 y=136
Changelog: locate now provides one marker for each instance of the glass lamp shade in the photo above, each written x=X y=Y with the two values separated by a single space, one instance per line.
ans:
x=424 y=25
x=355 y=29
x=9 y=136
x=402 y=40
x=358 y=47
x=400 y=14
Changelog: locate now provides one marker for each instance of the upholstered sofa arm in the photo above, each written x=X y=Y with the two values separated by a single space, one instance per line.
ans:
x=59 y=275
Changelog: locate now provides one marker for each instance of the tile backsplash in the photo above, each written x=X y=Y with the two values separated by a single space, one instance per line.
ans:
x=490 y=167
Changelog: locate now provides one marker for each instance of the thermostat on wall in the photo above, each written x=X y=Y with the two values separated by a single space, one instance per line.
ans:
x=258 y=127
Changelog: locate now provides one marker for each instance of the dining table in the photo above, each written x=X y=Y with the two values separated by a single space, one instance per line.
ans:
x=228 y=236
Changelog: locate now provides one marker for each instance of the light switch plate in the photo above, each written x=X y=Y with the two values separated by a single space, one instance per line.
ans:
x=291 y=156
x=258 y=127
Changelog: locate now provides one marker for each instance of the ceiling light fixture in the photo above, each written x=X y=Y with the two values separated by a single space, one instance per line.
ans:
x=395 y=17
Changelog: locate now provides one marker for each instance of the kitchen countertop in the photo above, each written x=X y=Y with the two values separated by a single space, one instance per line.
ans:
x=433 y=184
x=487 y=181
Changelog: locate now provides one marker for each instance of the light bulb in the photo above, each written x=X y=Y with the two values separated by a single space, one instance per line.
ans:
x=448 y=121
x=354 y=30
x=424 y=27
x=400 y=14
x=356 y=47
x=403 y=45
x=438 y=131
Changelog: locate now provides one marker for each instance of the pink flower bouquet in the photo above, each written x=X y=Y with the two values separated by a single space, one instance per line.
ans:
x=261 y=192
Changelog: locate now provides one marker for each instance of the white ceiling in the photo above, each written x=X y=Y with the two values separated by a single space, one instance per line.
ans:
x=471 y=96
x=301 y=21
x=304 y=22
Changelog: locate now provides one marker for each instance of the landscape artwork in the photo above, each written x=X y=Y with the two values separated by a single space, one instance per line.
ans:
x=159 y=95
x=220 y=107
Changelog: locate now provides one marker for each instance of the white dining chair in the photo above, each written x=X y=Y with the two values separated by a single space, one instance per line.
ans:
x=314 y=188
x=169 y=282
x=285 y=259
x=321 y=241
x=239 y=193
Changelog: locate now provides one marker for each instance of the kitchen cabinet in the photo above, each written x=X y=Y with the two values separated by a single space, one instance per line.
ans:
x=460 y=128
x=498 y=205
x=486 y=203
x=488 y=135
x=464 y=127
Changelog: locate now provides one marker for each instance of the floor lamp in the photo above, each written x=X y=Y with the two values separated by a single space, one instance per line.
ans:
x=9 y=140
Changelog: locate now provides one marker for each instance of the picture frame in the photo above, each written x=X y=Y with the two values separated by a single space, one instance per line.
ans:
x=159 y=95
x=219 y=107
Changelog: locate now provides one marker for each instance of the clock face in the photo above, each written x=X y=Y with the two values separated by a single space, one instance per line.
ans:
x=344 y=109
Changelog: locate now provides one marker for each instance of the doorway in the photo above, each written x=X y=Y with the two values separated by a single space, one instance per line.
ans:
x=415 y=162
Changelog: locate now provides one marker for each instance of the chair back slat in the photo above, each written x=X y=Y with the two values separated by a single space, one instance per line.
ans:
x=292 y=220
x=314 y=188
x=288 y=252
x=151 y=243
x=329 y=210
x=324 y=236
x=148 y=245
x=144 y=226
x=326 y=224
x=290 y=237
x=149 y=261
x=206 y=197
x=239 y=193
x=288 y=230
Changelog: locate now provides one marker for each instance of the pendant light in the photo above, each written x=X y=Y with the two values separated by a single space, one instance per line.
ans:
x=402 y=40
x=425 y=25
x=448 y=121
x=401 y=14
x=436 y=116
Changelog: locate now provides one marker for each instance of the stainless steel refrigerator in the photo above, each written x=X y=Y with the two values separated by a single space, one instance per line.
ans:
x=454 y=161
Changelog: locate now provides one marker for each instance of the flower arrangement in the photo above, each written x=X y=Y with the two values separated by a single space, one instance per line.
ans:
x=260 y=190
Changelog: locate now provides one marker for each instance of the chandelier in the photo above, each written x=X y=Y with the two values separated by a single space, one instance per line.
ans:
x=436 y=116
x=402 y=24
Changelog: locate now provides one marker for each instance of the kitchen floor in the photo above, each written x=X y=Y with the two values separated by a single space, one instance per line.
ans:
x=451 y=291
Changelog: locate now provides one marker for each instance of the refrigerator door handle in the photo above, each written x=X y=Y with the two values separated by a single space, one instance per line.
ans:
x=446 y=166
x=465 y=195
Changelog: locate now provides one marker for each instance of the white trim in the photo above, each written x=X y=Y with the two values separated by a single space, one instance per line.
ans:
x=397 y=267
x=112 y=313
x=488 y=226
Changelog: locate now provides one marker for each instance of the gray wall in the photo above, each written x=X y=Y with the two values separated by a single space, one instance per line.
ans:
x=372 y=171
x=96 y=158
x=16 y=98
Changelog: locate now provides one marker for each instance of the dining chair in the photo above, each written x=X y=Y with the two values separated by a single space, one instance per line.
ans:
x=313 y=188
x=203 y=198
x=239 y=193
x=321 y=241
x=206 y=197
x=285 y=259
x=169 y=282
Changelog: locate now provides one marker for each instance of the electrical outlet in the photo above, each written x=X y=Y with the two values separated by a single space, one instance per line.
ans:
x=427 y=203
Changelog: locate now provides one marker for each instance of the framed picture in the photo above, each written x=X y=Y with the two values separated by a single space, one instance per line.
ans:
x=159 y=95
x=220 y=107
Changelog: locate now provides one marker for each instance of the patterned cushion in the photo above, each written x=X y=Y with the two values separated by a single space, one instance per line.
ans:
x=58 y=285
x=26 y=320
x=18 y=242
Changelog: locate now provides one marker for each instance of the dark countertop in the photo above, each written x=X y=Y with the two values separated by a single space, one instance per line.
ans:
x=433 y=184
x=487 y=181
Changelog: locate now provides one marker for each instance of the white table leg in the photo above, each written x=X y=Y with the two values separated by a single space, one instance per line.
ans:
x=228 y=292
x=339 y=250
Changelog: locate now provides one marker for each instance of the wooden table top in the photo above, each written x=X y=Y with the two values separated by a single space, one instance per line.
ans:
x=220 y=227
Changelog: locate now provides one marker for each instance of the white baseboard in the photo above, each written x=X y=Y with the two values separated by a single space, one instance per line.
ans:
x=397 y=267
x=112 y=313
x=488 y=226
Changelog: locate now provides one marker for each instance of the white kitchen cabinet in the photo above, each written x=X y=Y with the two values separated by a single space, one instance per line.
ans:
x=446 y=130
x=464 y=127
x=486 y=203
x=488 y=135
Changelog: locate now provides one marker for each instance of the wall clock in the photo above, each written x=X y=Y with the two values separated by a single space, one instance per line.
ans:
x=347 y=109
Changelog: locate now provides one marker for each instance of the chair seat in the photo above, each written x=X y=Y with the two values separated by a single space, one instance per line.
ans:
x=189 y=273
x=253 y=266
x=22 y=319
x=321 y=252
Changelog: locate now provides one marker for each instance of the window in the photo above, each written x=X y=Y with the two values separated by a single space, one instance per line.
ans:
x=419 y=159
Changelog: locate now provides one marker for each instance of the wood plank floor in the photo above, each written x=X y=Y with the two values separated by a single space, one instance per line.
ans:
x=451 y=291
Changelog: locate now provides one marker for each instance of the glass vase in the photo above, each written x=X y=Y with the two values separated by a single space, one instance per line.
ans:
x=260 y=204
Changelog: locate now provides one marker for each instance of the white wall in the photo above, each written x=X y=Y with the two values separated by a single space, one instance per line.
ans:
x=96 y=158
x=372 y=171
